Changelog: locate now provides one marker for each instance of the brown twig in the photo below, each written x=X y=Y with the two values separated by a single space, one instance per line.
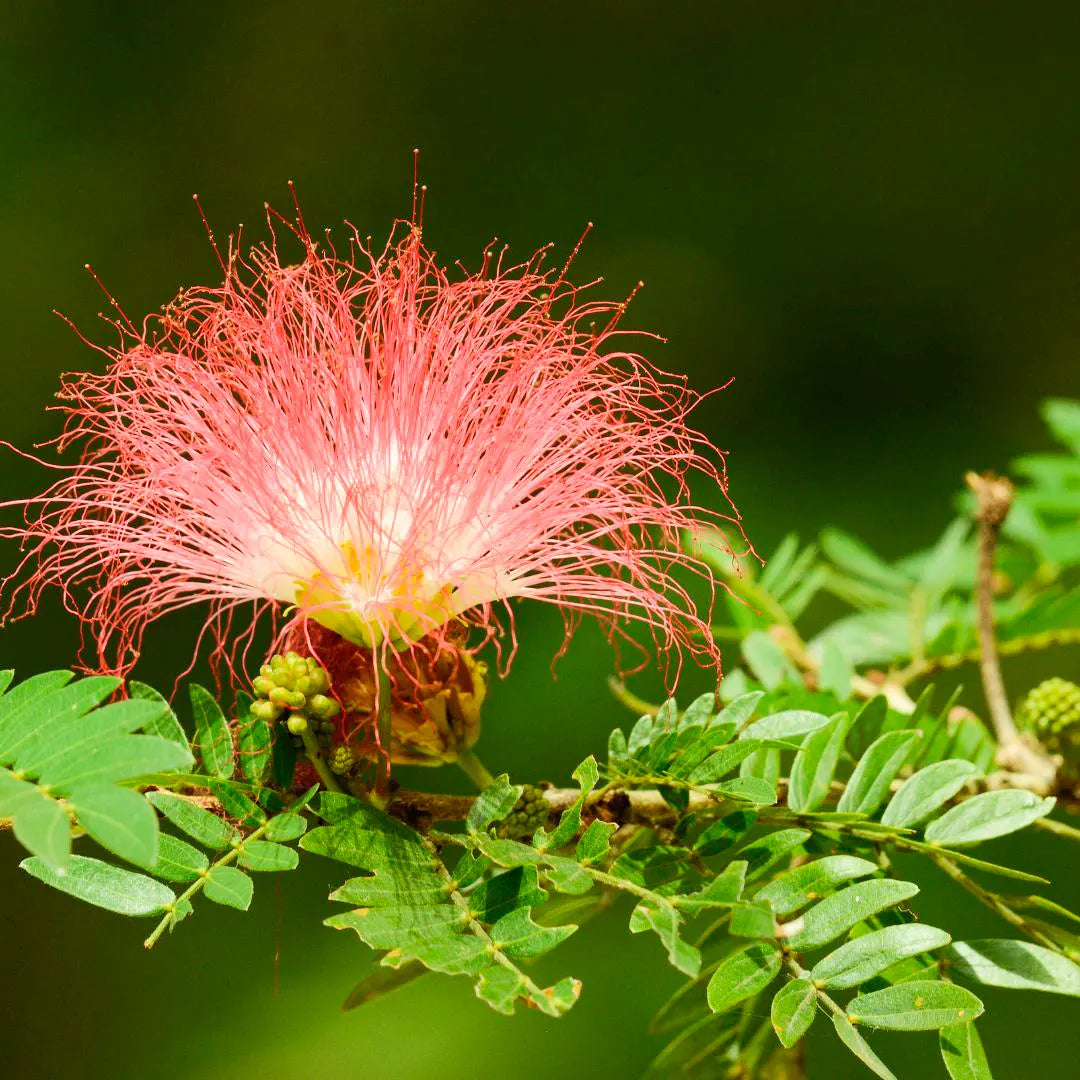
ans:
x=1016 y=752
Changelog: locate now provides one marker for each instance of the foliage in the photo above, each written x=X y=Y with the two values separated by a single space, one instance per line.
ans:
x=753 y=833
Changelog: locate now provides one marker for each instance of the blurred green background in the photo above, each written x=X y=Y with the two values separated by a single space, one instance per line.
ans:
x=867 y=213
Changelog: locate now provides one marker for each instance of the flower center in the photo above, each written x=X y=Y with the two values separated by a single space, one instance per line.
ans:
x=369 y=602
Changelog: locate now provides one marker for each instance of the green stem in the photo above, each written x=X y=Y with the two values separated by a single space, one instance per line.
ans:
x=475 y=770
x=314 y=754
x=624 y=696
x=994 y=902
x=384 y=727
x=1013 y=647
x=1059 y=828
x=199 y=882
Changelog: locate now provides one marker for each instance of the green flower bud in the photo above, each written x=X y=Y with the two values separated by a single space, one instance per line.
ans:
x=266 y=711
x=529 y=813
x=297 y=723
x=262 y=685
x=1051 y=712
x=342 y=760
x=322 y=706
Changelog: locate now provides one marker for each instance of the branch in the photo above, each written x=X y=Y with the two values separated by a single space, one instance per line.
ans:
x=994 y=497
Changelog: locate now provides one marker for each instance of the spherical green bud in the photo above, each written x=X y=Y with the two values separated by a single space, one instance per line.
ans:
x=265 y=710
x=323 y=706
x=1051 y=712
x=297 y=723
x=280 y=696
x=262 y=685
x=529 y=813
x=342 y=760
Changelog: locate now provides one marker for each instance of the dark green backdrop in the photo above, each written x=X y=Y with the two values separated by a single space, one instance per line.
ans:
x=867 y=213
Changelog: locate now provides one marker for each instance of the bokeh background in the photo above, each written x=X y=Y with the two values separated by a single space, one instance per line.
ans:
x=867 y=213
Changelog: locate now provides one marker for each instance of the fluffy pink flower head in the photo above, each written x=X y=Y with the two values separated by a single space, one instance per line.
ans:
x=366 y=441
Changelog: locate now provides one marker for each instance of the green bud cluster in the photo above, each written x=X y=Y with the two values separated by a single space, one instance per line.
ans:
x=1052 y=713
x=342 y=760
x=295 y=686
x=530 y=812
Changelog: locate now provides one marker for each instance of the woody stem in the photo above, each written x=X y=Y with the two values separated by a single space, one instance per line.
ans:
x=993 y=500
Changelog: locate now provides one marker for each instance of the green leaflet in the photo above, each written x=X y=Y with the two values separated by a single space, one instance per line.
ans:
x=493 y=804
x=228 y=886
x=1016 y=965
x=236 y=804
x=793 y=1010
x=986 y=816
x=836 y=672
x=724 y=889
x=814 y=767
x=62 y=746
x=517 y=936
x=212 y=735
x=919 y=1005
x=725 y=832
x=105 y=886
x=868 y=786
x=37 y=707
x=664 y=920
x=501 y=988
x=750 y=789
x=739 y=710
x=287 y=826
x=762 y=855
x=796 y=888
x=177 y=860
x=860 y=959
x=165 y=725
x=725 y=760
x=767 y=660
x=786 y=725
x=254 y=748
x=1062 y=417
x=595 y=842
x=264 y=856
x=962 y=1052
x=859 y=561
x=927 y=790
x=42 y=827
x=743 y=975
x=752 y=919
x=114 y=758
x=587 y=774
x=119 y=819
x=202 y=826
x=764 y=764
x=836 y=914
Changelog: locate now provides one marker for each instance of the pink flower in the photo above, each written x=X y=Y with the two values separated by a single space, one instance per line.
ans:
x=367 y=443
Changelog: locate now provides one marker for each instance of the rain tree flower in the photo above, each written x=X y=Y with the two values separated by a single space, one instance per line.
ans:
x=366 y=444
